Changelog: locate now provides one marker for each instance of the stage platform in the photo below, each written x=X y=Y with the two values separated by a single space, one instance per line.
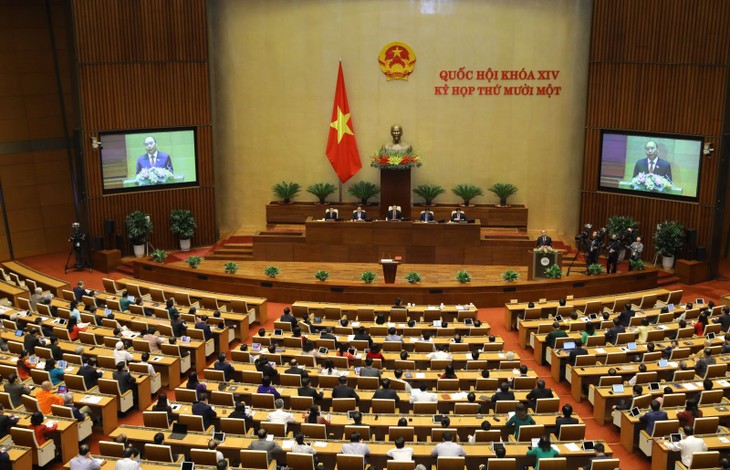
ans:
x=296 y=282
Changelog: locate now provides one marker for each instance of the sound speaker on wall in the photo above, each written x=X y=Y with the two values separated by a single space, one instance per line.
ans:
x=109 y=226
x=120 y=243
x=701 y=253
x=692 y=237
x=97 y=243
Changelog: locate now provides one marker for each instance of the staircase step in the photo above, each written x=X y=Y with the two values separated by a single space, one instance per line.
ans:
x=230 y=257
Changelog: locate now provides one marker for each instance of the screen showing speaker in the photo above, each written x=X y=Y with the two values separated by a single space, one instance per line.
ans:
x=655 y=165
x=137 y=160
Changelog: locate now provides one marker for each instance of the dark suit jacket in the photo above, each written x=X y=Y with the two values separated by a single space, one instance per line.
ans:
x=426 y=216
x=536 y=393
x=361 y=216
x=575 y=352
x=178 y=327
x=163 y=161
x=203 y=409
x=30 y=342
x=503 y=396
x=91 y=376
x=613 y=333
x=15 y=390
x=290 y=318
x=207 y=332
x=387 y=394
x=343 y=391
x=227 y=369
x=310 y=392
x=390 y=216
x=364 y=337
x=625 y=317
x=544 y=241
x=456 y=216
x=330 y=215
x=652 y=417
x=125 y=379
x=662 y=168
x=79 y=292
x=563 y=420
x=56 y=352
x=724 y=320
x=298 y=371
x=597 y=457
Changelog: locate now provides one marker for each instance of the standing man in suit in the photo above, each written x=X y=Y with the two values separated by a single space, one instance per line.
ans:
x=652 y=164
x=426 y=216
x=544 y=240
x=458 y=215
x=614 y=246
x=153 y=158
x=394 y=214
x=359 y=214
x=594 y=248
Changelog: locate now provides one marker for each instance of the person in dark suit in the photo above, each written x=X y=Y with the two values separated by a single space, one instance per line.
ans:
x=458 y=215
x=331 y=214
x=345 y=391
x=543 y=240
x=6 y=422
x=566 y=418
x=202 y=324
x=179 y=327
x=202 y=408
x=426 y=216
x=578 y=350
x=125 y=379
x=16 y=389
x=226 y=367
x=504 y=393
x=80 y=291
x=539 y=392
x=362 y=335
x=287 y=316
x=652 y=416
x=295 y=369
x=394 y=213
x=170 y=307
x=594 y=249
x=359 y=214
x=56 y=351
x=724 y=319
x=31 y=340
x=600 y=455
x=306 y=390
x=652 y=163
x=613 y=332
x=387 y=393
x=90 y=374
x=153 y=158
x=327 y=334
x=624 y=318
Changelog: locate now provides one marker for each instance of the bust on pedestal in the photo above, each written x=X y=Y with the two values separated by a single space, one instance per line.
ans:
x=395 y=160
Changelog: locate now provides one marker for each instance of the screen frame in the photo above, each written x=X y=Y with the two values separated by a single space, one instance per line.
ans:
x=148 y=130
x=658 y=135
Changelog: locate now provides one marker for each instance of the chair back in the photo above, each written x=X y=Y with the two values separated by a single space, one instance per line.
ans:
x=24 y=437
x=39 y=376
x=262 y=400
x=111 y=449
x=401 y=465
x=275 y=429
x=342 y=405
x=406 y=432
x=186 y=395
x=450 y=463
x=233 y=425
x=110 y=387
x=30 y=403
x=547 y=405
x=301 y=403
x=665 y=427
x=363 y=430
x=314 y=430
x=368 y=383
x=524 y=383
x=350 y=461
x=490 y=383
x=683 y=375
x=713 y=370
x=605 y=464
x=673 y=400
x=493 y=435
x=75 y=382
x=290 y=380
x=529 y=432
x=572 y=432
x=297 y=461
x=501 y=464
x=710 y=396
x=194 y=422
x=427 y=408
x=215 y=375
x=466 y=408
x=706 y=425
x=252 y=377
x=158 y=453
x=155 y=419
x=556 y=463
x=437 y=434
x=586 y=360
x=505 y=406
x=381 y=405
x=596 y=340
x=63 y=411
x=705 y=460
x=255 y=458
x=203 y=456
x=447 y=384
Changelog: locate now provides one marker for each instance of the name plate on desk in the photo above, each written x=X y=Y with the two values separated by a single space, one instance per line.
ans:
x=386 y=260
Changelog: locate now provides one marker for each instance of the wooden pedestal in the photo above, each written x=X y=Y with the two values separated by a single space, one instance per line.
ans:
x=395 y=190
x=692 y=272
x=106 y=261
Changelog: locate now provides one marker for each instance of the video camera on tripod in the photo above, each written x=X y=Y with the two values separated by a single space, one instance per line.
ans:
x=586 y=235
x=77 y=237
x=77 y=240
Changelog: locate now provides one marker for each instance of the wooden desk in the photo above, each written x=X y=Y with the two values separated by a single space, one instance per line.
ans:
x=549 y=308
x=663 y=459
x=13 y=292
x=56 y=286
x=68 y=431
x=258 y=304
x=450 y=313
x=20 y=457
x=327 y=451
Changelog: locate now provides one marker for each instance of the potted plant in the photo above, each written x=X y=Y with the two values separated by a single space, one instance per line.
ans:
x=668 y=240
x=510 y=275
x=429 y=192
x=619 y=225
x=503 y=191
x=413 y=278
x=182 y=225
x=467 y=192
x=159 y=256
x=271 y=271
x=286 y=191
x=321 y=191
x=367 y=277
x=462 y=277
x=363 y=190
x=595 y=269
x=637 y=264
x=230 y=267
x=321 y=275
x=194 y=261
x=553 y=272
x=139 y=227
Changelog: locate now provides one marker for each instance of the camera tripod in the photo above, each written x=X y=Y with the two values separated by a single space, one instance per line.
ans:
x=78 y=250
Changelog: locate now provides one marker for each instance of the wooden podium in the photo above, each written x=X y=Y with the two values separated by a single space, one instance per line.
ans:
x=395 y=190
x=390 y=267
x=541 y=261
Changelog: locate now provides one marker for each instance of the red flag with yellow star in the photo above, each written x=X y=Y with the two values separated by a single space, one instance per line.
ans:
x=341 y=146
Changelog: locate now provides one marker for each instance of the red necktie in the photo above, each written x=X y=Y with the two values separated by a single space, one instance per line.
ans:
x=394 y=213
x=651 y=168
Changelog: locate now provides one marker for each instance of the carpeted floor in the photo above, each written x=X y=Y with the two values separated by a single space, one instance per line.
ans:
x=713 y=290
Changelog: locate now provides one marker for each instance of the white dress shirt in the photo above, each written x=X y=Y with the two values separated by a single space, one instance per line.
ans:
x=687 y=447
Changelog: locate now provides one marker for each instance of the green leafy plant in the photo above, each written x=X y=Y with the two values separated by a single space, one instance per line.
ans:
x=413 y=278
x=637 y=264
x=182 y=223
x=462 y=277
x=321 y=275
x=618 y=224
x=363 y=190
x=159 y=255
x=230 y=267
x=271 y=271
x=139 y=227
x=321 y=190
x=553 y=272
x=510 y=275
x=503 y=191
x=286 y=191
x=669 y=238
x=429 y=192
x=467 y=192
x=595 y=269
x=367 y=277
x=194 y=261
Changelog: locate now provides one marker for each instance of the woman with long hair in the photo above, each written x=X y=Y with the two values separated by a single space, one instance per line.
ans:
x=195 y=384
x=73 y=329
x=449 y=373
x=163 y=405
x=544 y=450
x=688 y=415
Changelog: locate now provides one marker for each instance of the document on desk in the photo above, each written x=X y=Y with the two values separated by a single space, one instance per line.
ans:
x=572 y=447
x=600 y=351
x=690 y=386
x=287 y=444
x=320 y=444
x=91 y=399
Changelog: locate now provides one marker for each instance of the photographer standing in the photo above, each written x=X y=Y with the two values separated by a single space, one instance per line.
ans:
x=614 y=246
x=636 y=248
x=594 y=247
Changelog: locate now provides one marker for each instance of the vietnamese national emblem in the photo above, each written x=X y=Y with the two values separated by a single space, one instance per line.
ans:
x=397 y=61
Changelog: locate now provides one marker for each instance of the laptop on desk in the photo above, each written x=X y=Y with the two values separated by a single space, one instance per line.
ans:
x=179 y=431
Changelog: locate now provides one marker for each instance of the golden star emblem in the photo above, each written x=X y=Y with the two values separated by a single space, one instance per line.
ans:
x=341 y=124
x=396 y=52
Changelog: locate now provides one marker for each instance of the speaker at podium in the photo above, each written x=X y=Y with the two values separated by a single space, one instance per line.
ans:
x=541 y=261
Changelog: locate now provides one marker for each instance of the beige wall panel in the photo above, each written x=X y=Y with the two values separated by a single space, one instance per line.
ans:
x=29 y=243
x=274 y=66
x=22 y=198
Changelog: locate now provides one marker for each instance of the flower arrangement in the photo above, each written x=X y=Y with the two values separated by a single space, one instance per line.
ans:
x=153 y=176
x=510 y=275
x=413 y=278
x=395 y=159
x=321 y=275
x=545 y=249
x=553 y=272
x=650 y=182
x=194 y=261
x=463 y=277
x=595 y=269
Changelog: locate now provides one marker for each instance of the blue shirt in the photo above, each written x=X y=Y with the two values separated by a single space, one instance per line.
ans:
x=56 y=375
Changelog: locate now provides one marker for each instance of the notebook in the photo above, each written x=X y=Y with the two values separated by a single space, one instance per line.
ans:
x=569 y=345
x=179 y=431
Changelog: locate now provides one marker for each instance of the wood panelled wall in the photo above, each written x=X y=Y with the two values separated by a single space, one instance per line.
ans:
x=144 y=64
x=657 y=66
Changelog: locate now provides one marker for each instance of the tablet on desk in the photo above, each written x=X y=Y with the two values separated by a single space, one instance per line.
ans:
x=185 y=339
x=663 y=363
x=219 y=436
x=187 y=466
x=700 y=301
x=635 y=411
x=468 y=321
x=437 y=418
x=631 y=346
x=569 y=345
x=670 y=307
x=593 y=316
x=277 y=332
x=710 y=335
x=437 y=323
x=323 y=350
x=675 y=437
x=588 y=445
x=654 y=386
x=18 y=332
x=618 y=388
